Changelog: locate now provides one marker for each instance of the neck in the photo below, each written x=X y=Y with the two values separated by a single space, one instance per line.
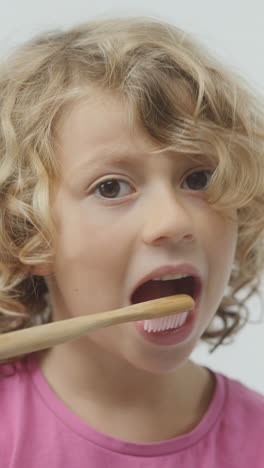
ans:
x=110 y=384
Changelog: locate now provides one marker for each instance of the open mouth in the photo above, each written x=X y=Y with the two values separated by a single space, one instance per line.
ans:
x=155 y=289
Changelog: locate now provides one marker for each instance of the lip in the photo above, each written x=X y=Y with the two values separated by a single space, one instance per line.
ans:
x=184 y=268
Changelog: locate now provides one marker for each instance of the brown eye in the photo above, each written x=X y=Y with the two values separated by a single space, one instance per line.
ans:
x=199 y=180
x=110 y=188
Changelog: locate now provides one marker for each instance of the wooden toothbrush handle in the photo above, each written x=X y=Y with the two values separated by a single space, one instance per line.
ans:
x=45 y=336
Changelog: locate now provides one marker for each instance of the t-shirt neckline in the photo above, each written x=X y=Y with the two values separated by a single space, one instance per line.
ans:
x=82 y=429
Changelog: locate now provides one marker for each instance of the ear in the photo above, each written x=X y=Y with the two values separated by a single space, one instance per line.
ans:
x=41 y=270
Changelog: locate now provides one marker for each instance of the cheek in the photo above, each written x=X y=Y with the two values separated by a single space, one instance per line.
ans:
x=221 y=249
x=84 y=230
x=88 y=251
x=90 y=262
x=227 y=236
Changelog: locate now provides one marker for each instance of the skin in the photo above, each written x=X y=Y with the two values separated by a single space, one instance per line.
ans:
x=112 y=378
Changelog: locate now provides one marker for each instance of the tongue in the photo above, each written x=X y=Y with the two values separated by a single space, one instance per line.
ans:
x=154 y=290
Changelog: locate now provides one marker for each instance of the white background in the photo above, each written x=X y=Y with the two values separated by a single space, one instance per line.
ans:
x=234 y=29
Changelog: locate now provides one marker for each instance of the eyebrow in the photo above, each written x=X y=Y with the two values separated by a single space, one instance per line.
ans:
x=123 y=158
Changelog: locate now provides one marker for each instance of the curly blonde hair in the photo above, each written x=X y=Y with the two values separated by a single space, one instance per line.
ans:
x=184 y=99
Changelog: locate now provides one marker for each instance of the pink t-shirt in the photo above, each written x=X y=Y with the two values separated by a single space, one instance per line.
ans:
x=38 y=431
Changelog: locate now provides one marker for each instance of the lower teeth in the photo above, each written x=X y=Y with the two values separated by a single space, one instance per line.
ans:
x=166 y=323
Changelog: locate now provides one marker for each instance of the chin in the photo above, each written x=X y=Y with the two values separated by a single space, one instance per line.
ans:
x=161 y=364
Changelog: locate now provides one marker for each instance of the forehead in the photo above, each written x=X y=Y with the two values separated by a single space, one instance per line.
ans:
x=98 y=122
x=98 y=130
x=98 y=117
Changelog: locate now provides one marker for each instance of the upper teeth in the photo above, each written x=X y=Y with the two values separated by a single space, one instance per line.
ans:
x=169 y=277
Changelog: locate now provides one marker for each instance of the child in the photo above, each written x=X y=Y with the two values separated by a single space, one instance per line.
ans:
x=131 y=104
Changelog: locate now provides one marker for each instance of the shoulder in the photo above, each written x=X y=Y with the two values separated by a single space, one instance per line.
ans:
x=14 y=387
x=243 y=413
x=238 y=434
x=13 y=393
x=243 y=398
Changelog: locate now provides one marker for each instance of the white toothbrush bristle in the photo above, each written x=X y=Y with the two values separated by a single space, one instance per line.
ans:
x=166 y=323
x=171 y=322
x=181 y=320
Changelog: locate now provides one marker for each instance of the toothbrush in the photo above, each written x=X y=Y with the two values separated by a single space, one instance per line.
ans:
x=39 y=337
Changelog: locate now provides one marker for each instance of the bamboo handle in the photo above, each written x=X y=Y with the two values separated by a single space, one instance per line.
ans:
x=44 y=336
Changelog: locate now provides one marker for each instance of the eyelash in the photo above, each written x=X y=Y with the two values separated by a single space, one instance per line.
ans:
x=119 y=180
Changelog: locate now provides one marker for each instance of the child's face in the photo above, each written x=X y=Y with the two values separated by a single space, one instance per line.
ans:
x=112 y=236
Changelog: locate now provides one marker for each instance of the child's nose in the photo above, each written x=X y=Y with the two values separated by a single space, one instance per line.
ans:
x=167 y=218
